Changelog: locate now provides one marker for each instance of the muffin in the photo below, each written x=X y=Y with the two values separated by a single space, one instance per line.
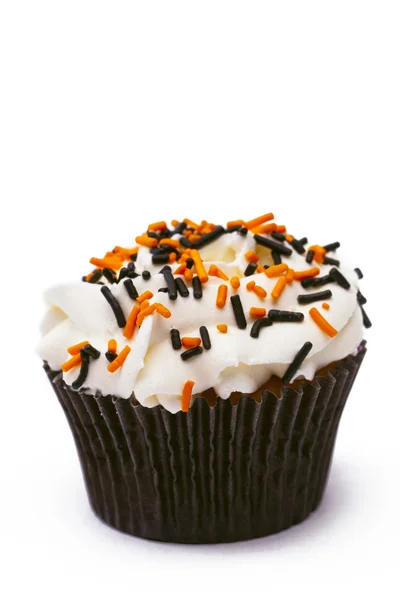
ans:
x=203 y=373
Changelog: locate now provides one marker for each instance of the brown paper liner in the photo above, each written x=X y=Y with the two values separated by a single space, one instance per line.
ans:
x=214 y=474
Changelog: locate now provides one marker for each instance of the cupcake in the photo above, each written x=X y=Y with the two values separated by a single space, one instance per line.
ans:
x=203 y=373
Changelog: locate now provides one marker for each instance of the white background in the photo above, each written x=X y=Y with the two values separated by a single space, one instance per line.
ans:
x=116 y=114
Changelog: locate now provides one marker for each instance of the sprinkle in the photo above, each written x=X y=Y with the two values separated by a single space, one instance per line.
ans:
x=171 y=284
x=360 y=299
x=94 y=276
x=319 y=253
x=112 y=345
x=297 y=362
x=115 y=306
x=209 y=237
x=194 y=237
x=310 y=256
x=303 y=241
x=216 y=272
x=290 y=276
x=146 y=275
x=188 y=275
x=191 y=353
x=77 y=347
x=109 y=274
x=322 y=323
x=110 y=263
x=258 y=325
x=263 y=241
x=123 y=273
x=256 y=313
x=187 y=395
x=90 y=351
x=163 y=290
x=191 y=223
x=134 y=256
x=238 y=311
x=181 y=269
x=366 y=321
x=198 y=264
x=185 y=242
x=197 y=288
x=130 y=288
x=152 y=234
x=339 y=278
x=119 y=361
x=145 y=312
x=276 y=270
x=331 y=247
x=189 y=263
x=261 y=293
x=160 y=259
x=205 y=337
x=278 y=236
x=162 y=310
x=182 y=287
x=126 y=252
x=297 y=246
x=179 y=227
x=259 y=220
x=175 y=339
x=289 y=238
x=279 y=287
x=252 y=256
x=145 y=240
x=110 y=356
x=316 y=281
x=250 y=269
x=268 y=229
x=235 y=282
x=250 y=285
x=191 y=342
x=309 y=298
x=83 y=373
x=276 y=257
x=71 y=363
x=359 y=273
x=234 y=223
x=260 y=269
x=160 y=225
x=243 y=231
x=281 y=228
x=326 y=306
x=130 y=325
x=285 y=316
x=222 y=328
x=147 y=295
x=300 y=275
x=222 y=295
x=331 y=261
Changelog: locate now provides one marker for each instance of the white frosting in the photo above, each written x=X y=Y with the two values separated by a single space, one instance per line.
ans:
x=155 y=373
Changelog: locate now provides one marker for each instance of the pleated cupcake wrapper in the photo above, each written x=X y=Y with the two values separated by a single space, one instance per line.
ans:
x=214 y=474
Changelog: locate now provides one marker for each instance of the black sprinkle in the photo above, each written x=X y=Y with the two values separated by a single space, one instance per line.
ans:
x=131 y=266
x=146 y=275
x=90 y=351
x=95 y=277
x=176 y=339
x=185 y=242
x=130 y=288
x=297 y=246
x=157 y=250
x=250 y=269
x=132 y=274
x=339 y=278
x=303 y=241
x=278 y=236
x=152 y=234
x=197 y=287
x=179 y=228
x=115 y=305
x=122 y=274
x=134 y=256
x=316 y=281
x=285 y=316
x=209 y=237
x=233 y=228
x=110 y=356
x=163 y=290
x=333 y=246
x=276 y=257
x=267 y=243
x=160 y=259
x=238 y=311
x=205 y=337
x=166 y=268
x=297 y=362
x=83 y=373
x=258 y=325
x=171 y=284
x=266 y=266
x=367 y=323
x=310 y=256
x=331 y=261
x=167 y=248
x=243 y=231
x=359 y=273
x=182 y=287
x=361 y=299
x=191 y=352
x=189 y=263
x=308 y=298
x=109 y=274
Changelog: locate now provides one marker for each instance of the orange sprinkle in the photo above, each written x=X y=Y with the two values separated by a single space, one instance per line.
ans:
x=145 y=313
x=145 y=296
x=280 y=228
x=187 y=395
x=181 y=269
x=276 y=270
x=144 y=304
x=250 y=286
x=112 y=345
x=172 y=257
x=198 y=263
x=234 y=223
x=190 y=342
x=289 y=238
x=222 y=328
x=322 y=323
x=145 y=240
x=216 y=272
x=129 y=327
x=252 y=256
x=319 y=253
x=157 y=226
x=261 y=293
x=191 y=224
x=170 y=242
x=162 y=310
x=174 y=223
x=107 y=263
x=279 y=287
x=235 y=282
x=255 y=312
x=326 y=306
x=193 y=237
x=89 y=277
x=75 y=349
x=260 y=269
x=119 y=361
x=125 y=251
x=259 y=220
x=300 y=275
x=222 y=295
x=71 y=363
x=188 y=275
x=290 y=276
x=268 y=228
